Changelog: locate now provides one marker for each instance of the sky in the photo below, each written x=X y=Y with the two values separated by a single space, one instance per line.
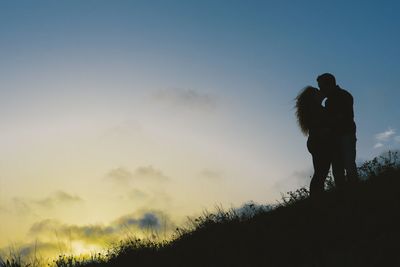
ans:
x=122 y=116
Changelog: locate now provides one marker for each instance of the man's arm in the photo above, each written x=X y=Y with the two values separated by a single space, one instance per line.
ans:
x=341 y=110
x=345 y=113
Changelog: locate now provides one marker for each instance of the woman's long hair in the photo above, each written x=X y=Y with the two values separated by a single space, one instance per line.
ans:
x=305 y=103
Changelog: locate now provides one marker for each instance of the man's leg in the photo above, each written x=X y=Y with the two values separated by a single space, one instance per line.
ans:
x=338 y=164
x=349 y=157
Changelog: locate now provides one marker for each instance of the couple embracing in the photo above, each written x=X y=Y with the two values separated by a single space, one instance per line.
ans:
x=331 y=132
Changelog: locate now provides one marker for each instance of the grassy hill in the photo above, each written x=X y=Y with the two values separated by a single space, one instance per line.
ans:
x=358 y=227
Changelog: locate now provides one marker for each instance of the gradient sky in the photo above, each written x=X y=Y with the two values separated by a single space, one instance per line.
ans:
x=143 y=112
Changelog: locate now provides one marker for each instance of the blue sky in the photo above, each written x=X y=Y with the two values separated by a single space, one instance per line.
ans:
x=195 y=96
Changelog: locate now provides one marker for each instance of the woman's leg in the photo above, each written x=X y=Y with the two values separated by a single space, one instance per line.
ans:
x=322 y=163
x=348 y=143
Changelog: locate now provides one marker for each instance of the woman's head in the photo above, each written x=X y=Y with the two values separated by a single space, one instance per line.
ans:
x=306 y=101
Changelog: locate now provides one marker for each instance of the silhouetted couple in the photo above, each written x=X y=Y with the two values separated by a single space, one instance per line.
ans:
x=331 y=132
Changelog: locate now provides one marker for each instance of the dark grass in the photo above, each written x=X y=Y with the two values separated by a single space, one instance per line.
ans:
x=357 y=227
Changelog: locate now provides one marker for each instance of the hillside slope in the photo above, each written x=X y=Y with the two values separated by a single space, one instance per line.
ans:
x=358 y=228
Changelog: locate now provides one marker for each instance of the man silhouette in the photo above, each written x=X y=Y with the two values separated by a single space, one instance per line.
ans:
x=339 y=106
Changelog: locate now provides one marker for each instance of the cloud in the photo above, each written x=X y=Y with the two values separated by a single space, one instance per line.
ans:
x=144 y=173
x=154 y=197
x=99 y=234
x=148 y=220
x=22 y=206
x=120 y=175
x=51 y=237
x=44 y=226
x=59 y=197
x=53 y=229
x=151 y=196
x=378 y=145
x=136 y=194
x=149 y=172
x=386 y=135
x=187 y=98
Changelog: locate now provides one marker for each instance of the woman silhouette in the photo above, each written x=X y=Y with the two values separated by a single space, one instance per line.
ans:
x=314 y=123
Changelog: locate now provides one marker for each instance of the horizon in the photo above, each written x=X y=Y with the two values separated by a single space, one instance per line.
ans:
x=141 y=113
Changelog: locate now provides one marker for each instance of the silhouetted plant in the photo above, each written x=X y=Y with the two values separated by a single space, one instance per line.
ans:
x=386 y=161
x=14 y=259
x=13 y=262
x=292 y=197
x=75 y=261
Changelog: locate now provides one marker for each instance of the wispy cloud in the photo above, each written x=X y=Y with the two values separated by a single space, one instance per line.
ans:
x=52 y=229
x=59 y=197
x=51 y=237
x=136 y=194
x=120 y=175
x=52 y=232
x=23 y=206
x=187 y=98
x=152 y=197
x=378 y=145
x=149 y=220
x=386 y=137
x=149 y=172
x=124 y=176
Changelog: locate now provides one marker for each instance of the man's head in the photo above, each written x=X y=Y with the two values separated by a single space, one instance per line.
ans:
x=326 y=83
